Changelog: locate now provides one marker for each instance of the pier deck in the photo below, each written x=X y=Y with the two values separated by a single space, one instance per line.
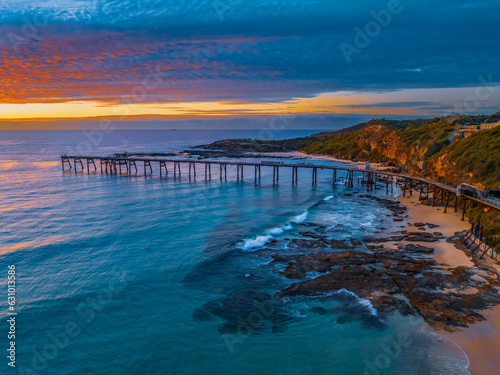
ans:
x=446 y=194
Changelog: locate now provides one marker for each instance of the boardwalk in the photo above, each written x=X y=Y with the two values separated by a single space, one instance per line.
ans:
x=410 y=184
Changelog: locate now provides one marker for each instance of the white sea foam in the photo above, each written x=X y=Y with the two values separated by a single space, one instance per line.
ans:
x=301 y=218
x=278 y=230
x=259 y=241
x=297 y=314
x=329 y=198
x=362 y=302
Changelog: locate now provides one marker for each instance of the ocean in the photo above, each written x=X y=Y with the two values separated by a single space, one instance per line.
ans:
x=150 y=275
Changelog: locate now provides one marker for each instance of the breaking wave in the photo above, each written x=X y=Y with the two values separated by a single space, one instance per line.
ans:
x=259 y=241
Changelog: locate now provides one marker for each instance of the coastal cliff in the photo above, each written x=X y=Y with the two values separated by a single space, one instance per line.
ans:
x=430 y=149
x=422 y=148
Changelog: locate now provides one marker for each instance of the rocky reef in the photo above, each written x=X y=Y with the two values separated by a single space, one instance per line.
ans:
x=368 y=279
x=404 y=278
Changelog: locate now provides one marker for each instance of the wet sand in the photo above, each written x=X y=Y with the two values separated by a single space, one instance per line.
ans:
x=480 y=341
x=449 y=224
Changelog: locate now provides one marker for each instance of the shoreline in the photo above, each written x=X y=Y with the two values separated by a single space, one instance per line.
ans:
x=303 y=155
x=478 y=341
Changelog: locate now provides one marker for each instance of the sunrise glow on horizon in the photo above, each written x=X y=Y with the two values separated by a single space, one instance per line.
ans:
x=85 y=60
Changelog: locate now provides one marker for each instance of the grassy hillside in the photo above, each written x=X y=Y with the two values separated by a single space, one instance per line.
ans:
x=475 y=159
x=422 y=147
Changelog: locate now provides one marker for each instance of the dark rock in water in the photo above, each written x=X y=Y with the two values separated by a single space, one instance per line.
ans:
x=340 y=228
x=376 y=240
x=397 y=219
x=419 y=225
x=432 y=225
x=388 y=304
x=322 y=262
x=397 y=209
x=266 y=252
x=356 y=279
x=312 y=235
x=306 y=244
x=202 y=315
x=410 y=237
x=344 y=319
x=380 y=275
x=313 y=225
x=319 y=310
x=308 y=224
x=248 y=312
x=349 y=244
x=350 y=309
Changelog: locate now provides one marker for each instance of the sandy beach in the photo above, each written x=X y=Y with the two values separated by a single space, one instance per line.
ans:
x=480 y=340
x=303 y=155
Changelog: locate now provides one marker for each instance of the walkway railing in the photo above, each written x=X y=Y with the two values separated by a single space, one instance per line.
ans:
x=115 y=163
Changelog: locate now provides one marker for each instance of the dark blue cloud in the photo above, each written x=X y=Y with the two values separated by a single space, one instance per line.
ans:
x=270 y=50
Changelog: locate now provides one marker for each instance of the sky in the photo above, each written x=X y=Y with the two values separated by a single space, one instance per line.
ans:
x=68 y=61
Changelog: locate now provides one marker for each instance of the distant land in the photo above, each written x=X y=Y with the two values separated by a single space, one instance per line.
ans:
x=266 y=124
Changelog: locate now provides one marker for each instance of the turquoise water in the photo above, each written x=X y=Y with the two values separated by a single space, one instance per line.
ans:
x=116 y=273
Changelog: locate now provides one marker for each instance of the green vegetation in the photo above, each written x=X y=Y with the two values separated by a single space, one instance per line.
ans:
x=346 y=146
x=490 y=220
x=258 y=145
x=477 y=158
x=339 y=145
x=431 y=136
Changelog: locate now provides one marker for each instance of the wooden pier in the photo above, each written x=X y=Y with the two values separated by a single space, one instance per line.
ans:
x=371 y=179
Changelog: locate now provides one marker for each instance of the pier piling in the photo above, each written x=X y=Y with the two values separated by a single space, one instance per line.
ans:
x=443 y=193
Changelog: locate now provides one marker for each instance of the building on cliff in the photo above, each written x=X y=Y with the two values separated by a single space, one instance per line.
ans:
x=470 y=129
x=490 y=125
